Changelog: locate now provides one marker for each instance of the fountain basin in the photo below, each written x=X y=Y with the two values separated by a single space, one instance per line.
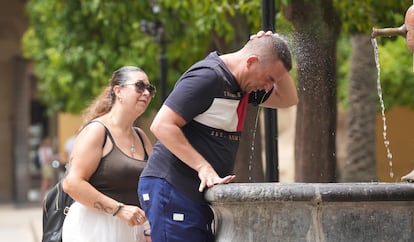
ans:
x=313 y=211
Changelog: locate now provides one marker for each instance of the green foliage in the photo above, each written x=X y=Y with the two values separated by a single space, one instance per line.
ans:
x=76 y=45
x=396 y=63
x=360 y=16
x=343 y=57
x=396 y=72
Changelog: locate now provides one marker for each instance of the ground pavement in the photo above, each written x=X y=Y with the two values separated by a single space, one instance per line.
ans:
x=20 y=223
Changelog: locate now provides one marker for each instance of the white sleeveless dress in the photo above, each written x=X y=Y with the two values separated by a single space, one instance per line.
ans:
x=83 y=224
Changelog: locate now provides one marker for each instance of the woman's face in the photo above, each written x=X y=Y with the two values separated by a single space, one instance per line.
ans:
x=137 y=92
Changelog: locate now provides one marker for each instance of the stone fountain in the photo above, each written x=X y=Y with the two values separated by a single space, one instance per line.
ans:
x=320 y=212
x=313 y=212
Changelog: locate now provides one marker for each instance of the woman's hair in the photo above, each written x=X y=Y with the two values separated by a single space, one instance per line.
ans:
x=103 y=103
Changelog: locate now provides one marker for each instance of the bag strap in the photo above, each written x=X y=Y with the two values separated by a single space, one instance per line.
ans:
x=63 y=200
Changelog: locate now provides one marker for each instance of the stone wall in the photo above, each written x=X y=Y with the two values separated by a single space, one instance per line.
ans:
x=313 y=212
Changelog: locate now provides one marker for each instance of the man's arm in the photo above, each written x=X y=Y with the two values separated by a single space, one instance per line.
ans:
x=166 y=126
x=284 y=93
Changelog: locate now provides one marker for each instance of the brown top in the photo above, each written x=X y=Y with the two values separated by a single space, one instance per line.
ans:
x=117 y=174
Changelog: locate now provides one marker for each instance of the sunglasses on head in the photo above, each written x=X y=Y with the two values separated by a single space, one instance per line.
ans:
x=141 y=86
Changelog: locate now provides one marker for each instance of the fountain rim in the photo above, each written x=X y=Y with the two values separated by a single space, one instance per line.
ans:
x=311 y=192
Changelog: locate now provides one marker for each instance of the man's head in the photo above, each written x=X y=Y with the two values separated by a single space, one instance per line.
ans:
x=265 y=60
x=270 y=48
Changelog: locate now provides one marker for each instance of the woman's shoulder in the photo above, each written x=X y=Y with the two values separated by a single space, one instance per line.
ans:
x=95 y=126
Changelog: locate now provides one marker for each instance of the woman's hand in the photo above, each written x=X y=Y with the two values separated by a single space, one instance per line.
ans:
x=147 y=235
x=133 y=215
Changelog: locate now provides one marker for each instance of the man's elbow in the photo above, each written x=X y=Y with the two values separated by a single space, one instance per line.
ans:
x=295 y=101
x=289 y=102
x=155 y=128
x=159 y=126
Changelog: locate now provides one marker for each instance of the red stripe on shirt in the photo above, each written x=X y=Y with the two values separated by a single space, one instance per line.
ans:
x=241 y=112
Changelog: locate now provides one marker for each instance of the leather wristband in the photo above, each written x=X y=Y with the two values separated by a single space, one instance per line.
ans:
x=120 y=205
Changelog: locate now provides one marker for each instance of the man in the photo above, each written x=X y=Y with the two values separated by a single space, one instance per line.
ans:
x=198 y=130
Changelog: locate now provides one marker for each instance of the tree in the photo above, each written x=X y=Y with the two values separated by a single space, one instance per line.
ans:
x=75 y=45
x=358 y=18
x=360 y=160
x=317 y=28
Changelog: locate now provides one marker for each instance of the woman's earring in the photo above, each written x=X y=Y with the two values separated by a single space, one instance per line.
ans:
x=120 y=99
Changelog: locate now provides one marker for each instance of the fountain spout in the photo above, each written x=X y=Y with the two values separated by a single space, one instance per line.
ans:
x=388 y=32
x=406 y=30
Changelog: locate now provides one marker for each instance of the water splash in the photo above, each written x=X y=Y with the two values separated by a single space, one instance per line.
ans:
x=254 y=130
x=384 y=123
x=253 y=144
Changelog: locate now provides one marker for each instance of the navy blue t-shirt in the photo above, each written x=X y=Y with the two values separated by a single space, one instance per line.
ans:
x=209 y=98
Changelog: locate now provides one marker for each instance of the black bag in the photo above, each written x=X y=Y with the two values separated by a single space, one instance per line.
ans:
x=55 y=207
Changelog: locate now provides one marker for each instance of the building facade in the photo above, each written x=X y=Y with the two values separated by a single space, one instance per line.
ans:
x=23 y=121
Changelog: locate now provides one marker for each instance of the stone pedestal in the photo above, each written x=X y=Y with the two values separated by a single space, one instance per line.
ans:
x=258 y=212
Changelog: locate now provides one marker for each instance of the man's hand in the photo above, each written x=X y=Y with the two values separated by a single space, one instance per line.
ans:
x=261 y=33
x=209 y=177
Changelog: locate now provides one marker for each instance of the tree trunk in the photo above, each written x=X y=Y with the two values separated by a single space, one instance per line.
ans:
x=360 y=163
x=249 y=162
x=317 y=29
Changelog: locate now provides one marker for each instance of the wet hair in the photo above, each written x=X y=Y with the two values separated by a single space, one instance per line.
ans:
x=103 y=103
x=283 y=52
x=280 y=50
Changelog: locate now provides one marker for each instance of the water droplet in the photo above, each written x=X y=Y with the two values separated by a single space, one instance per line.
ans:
x=253 y=144
x=379 y=91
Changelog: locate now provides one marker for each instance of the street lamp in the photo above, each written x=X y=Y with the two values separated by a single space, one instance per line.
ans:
x=156 y=30
x=270 y=115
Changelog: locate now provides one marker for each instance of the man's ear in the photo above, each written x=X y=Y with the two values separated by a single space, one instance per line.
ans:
x=251 y=60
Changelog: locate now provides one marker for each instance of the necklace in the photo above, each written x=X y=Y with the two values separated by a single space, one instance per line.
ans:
x=133 y=149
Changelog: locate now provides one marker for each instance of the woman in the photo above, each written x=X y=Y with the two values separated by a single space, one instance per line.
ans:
x=106 y=161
